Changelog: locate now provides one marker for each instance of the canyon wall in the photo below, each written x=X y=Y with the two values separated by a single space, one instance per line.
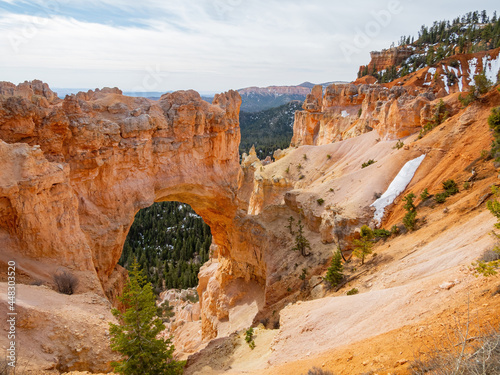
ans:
x=380 y=60
x=348 y=110
x=395 y=110
x=76 y=171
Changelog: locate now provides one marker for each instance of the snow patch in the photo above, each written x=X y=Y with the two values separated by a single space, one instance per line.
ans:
x=397 y=186
x=430 y=72
x=491 y=67
x=472 y=69
x=459 y=78
x=344 y=113
x=444 y=78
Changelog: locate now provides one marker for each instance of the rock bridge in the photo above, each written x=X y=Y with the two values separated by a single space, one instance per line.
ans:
x=76 y=171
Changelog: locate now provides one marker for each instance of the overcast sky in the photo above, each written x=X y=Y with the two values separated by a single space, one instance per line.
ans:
x=207 y=45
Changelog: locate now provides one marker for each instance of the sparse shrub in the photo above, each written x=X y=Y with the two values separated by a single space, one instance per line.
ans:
x=66 y=282
x=450 y=187
x=193 y=298
x=249 y=338
x=368 y=163
x=410 y=219
x=303 y=275
x=395 y=230
x=466 y=185
x=468 y=99
x=494 y=205
x=481 y=86
x=301 y=177
x=381 y=233
x=488 y=264
x=165 y=311
x=486 y=268
x=376 y=195
x=305 y=157
x=424 y=195
x=334 y=274
x=484 y=154
x=352 y=292
x=299 y=167
x=290 y=225
x=482 y=83
x=440 y=197
x=399 y=145
x=360 y=111
x=320 y=201
x=331 y=190
x=287 y=170
x=318 y=371
x=328 y=156
x=363 y=246
x=494 y=123
x=409 y=205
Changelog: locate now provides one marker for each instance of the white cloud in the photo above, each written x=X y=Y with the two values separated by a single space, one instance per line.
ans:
x=205 y=44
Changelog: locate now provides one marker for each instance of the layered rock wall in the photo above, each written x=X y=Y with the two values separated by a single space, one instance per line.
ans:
x=348 y=110
x=386 y=58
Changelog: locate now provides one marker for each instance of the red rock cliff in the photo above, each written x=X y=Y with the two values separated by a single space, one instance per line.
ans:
x=386 y=58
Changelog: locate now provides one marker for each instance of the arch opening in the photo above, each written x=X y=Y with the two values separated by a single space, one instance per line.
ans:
x=170 y=242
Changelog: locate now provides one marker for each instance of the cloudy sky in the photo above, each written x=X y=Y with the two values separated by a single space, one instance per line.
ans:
x=207 y=45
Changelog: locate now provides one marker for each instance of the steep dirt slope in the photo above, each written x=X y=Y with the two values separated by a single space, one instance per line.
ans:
x=56 y=332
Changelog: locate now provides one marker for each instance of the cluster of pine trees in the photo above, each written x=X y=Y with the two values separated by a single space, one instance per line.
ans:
x=474 y=29
x=470 y=33
x=268 y=130
x=170 y=243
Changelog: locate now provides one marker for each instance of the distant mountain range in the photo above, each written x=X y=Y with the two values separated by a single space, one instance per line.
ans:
x=257 y=99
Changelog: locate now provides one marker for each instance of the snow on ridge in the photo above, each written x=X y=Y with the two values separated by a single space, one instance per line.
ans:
x=472 y=69
x=459 y=78
x=491 y=67
x=444 y=78
x=431 y=71
x=397 y=186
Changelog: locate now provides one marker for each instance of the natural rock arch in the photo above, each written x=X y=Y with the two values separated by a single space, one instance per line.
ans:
x=78 y=170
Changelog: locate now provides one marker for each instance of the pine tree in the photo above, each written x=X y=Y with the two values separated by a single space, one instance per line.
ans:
x=334 y=274
x=364 y=245
x=301 y=242
x=135 y=337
